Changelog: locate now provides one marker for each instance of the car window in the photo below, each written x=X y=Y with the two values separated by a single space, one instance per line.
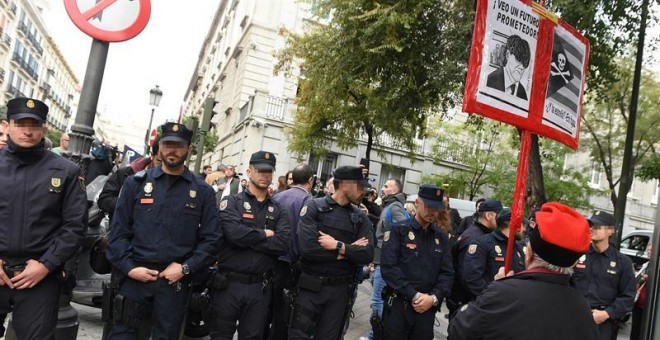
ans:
x=635 y=242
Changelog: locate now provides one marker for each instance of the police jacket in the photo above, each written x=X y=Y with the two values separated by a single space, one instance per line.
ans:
x=346 y=224
x=244 y=220
x=417 y=260
x=43 y=206
x=484 y=258
x=534 y=304
x=108 y=198
x=159 y=223
x=606 y=280
x=475 y=231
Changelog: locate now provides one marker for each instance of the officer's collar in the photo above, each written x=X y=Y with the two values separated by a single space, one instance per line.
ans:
x=249 y=193
x=482 y=227
x=187 y=175
x=498 y=234
x=415 y=225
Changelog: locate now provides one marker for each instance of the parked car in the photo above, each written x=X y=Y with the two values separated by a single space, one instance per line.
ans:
x=634 y=246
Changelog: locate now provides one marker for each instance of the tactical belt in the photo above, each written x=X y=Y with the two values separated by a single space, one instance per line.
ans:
x=13 y=270
x=599 y=307
x=152 y=265
x=247 y=278
x=333 y=280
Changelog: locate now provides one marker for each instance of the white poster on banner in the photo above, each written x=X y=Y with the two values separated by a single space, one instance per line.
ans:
x=562 y=103
x=505 y=80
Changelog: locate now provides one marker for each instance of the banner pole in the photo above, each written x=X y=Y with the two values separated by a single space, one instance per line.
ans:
x=517 y=206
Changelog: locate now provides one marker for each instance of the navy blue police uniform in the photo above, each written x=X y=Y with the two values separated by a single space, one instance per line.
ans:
x=328 y=281
x=43 y=217
x=459 y=294
x=161 y=219
x=486 y=255
x=246 y=262
x=606 y=280
x=415 y=260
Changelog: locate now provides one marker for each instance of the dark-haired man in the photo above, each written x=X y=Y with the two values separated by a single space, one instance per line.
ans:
x=516 y=60
x=44 y=217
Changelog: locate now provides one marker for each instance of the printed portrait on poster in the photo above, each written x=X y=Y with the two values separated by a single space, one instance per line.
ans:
x=508 y=56
x=563 y=98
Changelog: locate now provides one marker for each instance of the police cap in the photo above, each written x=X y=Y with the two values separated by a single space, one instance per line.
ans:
x=173 y=132
x=601 y=219
x=350 y=173
x=263 y=160
x=19 y=108
x=490 y=205
x=431 y=195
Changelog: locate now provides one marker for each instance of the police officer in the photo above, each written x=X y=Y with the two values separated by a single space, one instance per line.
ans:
x=605 y=277
x=417 y=267
x=485 y=223
x=165 y=227
x=335 y=240
x=257 y=231
x=43 y=221
x=486 y=255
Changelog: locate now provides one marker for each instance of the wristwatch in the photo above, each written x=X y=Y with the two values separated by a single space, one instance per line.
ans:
x=435 y=300
x=340 y=244
x=185 y=269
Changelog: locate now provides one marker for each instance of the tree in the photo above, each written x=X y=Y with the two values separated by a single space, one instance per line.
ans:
x=605 y=121
x=376 y=68
x=54 y=136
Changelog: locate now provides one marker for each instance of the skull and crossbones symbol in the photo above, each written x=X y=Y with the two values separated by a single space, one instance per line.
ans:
x=558 y=67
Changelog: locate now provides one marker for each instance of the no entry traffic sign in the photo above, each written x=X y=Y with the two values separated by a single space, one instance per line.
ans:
x=153 y=136
x=109 y=20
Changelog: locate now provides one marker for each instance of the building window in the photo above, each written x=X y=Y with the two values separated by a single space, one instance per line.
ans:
x=388 y=172
x=323 y=166
x=594 y=181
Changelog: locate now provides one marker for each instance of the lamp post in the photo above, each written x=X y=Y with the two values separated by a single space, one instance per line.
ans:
x=154 y=99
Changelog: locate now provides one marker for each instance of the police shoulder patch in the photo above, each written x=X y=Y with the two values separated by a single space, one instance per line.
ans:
x=472 y=249
x=386 y=236
x=303 y=211
x=223 y=205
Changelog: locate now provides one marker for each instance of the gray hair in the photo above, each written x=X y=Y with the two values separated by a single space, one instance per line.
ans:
x=537 y=261
x=48 y=143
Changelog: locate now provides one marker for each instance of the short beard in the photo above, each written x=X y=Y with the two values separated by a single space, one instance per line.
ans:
x=173 y=165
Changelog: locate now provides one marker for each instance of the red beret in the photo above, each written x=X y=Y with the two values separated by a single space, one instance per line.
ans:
x=562 y=234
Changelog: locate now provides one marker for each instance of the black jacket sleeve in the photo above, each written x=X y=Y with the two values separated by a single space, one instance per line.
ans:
x=108 y=198
x=624 y=301
x=362 y=254
x=279 y=243
x=235 y=232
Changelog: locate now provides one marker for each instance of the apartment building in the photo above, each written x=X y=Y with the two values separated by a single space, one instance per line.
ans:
x=31 y=64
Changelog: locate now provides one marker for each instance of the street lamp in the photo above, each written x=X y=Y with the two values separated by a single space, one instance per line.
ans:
x=154 y=99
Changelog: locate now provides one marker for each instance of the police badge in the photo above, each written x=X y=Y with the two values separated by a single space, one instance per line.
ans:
x=270 y=208
x=386 y=236
x=498 y=250
x=55 y=182
x=193 y=193
x=472 y=249
x=411 y=235
x=148 y=188
x=303 y=211
x=247 y=206
x=223 y=205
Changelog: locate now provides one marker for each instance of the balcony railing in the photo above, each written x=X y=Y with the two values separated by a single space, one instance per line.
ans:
x=12 y=90
x=6 y=40
x=2 y=75
x=25 y=66
x=30 y=37
x=13 y=8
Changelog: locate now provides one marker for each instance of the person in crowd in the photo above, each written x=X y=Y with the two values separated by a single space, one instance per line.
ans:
x=642 y=278
x=292 y=200
x=417 y=267
x=4 y=127
x=336 y=241
x=605 y=277
x=394 y=199
x=206 y=170
x=454 y=215
x=228 y=185
x=289 y=179
x=539 y=302
x=64 y=145
x=467 y=220
x=257 y=232
x=43 y=224
x=165 y=228
x=487 y=254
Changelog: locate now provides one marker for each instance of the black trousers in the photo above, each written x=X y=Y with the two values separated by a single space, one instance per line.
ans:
x=401 y=321
x=325 y=310
x=636 y=327
x=160 y=303
x=278 y=328
x=35 y=309
x=246 y=303
x=608 y=330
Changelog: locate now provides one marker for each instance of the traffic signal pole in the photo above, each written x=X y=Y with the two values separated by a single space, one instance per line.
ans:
x=207 y=115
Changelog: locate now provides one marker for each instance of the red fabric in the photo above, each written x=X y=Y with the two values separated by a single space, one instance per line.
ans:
x=564 y=227
x=641 y=301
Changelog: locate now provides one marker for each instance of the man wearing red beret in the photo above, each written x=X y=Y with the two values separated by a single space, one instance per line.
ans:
x=605 y=277
x=537 y=303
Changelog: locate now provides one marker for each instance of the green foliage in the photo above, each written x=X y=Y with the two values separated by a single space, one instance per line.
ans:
x=487 y=153
x=54 y=136
x=650 y=169
x=605 y=121
x=377 y=68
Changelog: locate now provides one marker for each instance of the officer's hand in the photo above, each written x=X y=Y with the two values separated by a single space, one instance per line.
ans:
x=363 y=242
x=327 y=242
x=269 y=233
x=423 y=303
x=34 y=272
x=500 y=274
x=4 y=279
x=600 y=316
x=172 y=273
x=143 y=274
x=364 y=209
